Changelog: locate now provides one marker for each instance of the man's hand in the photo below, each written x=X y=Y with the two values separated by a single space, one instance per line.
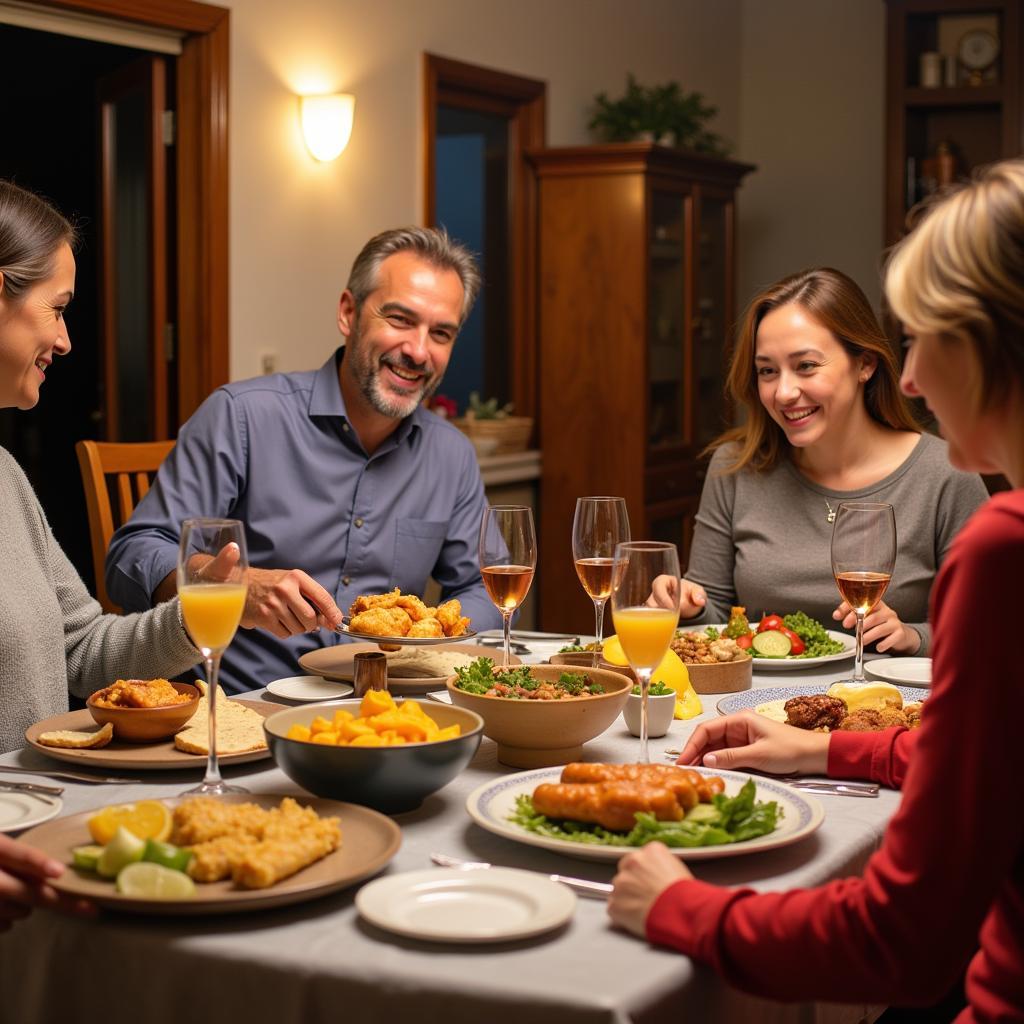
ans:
x=24 y=871
x=691 y=597
x=642 y=877
x=882 y=627
x=286 y=602
x=749 y=740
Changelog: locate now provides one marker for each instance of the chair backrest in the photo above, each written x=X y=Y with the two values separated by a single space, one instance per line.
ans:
x=125 y=469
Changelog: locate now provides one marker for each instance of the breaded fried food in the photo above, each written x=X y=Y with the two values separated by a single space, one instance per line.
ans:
x=139 y=693
x=453 y=622
x=268 y=862
x=381 y=622
x=426 y=628
x=415 y=608
x=817 y=712
x=204 y=818
x=365 y=602
x=874 y=719
x=913 y=714
x=212 y=861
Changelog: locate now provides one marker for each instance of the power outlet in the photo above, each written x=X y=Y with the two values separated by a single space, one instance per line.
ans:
x=268 y=363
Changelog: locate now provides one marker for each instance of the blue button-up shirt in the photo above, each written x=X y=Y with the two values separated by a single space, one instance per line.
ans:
x=279 y=454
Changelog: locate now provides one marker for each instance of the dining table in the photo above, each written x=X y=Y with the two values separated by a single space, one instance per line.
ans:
x=319 y=961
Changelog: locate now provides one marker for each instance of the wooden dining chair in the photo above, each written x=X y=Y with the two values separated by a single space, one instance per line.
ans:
x=123 y=471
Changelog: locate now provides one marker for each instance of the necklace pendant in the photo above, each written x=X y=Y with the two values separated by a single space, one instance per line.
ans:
x=831 y=517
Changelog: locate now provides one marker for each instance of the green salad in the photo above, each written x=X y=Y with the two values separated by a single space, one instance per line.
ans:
x=516 y=683
x=814 y=635
x=725 y=820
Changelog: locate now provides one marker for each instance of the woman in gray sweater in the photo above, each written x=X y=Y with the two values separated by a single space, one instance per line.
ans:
x=53 y=634
x=824 y=422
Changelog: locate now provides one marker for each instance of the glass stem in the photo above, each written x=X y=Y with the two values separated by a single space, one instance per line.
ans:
x=506 y=622
x=644 y=675
x=212 y=767
x=599 y=603
x=858 y=661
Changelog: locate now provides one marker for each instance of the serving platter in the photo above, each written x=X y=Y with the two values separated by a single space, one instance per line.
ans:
x=789 y=663
x=408 y=641
x=338 y=662
x=161 y=755
x=491 y=804
x=369 y=841
x=750 y=699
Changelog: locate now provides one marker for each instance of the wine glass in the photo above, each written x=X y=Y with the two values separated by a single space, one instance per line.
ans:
x=644 y=631
x=212 y=586
x=598 y=526
x=508 y=559
x=863 y=556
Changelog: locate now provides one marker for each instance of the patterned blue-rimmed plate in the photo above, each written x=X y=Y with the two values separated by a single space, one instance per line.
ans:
x=750 y=699
x=491 y=804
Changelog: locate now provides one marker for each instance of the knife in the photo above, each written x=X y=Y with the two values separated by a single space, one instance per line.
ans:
x=594 y=890
x=73 y=776
x=30 y=787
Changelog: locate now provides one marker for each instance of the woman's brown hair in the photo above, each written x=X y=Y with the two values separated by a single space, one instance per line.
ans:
x=31 y=232
x=838 y=304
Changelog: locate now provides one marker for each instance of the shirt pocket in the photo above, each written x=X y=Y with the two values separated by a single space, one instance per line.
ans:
x=418 y=544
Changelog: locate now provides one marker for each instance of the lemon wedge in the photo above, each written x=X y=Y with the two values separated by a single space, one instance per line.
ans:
x=671 y=671
x=125 y=848
x=148 y=881
x=147 y=819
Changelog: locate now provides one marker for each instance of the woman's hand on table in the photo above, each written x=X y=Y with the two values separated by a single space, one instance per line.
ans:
x=749 y=740
x=883 y=628
x=690 y=598
x=24 y=872
x=642 y=877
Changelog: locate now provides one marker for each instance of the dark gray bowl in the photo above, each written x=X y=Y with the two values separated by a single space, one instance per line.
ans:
x=389 y=779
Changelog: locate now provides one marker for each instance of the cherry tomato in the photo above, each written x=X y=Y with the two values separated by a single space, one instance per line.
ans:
x=795 y=639
x=771 y=622
x=744 y=641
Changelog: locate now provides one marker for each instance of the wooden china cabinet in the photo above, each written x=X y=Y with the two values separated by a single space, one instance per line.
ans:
x=636 y=301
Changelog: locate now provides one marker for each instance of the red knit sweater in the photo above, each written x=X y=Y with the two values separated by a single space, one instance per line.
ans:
x=949 y=876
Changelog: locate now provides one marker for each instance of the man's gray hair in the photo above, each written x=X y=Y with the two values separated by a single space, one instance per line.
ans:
x=431 y=244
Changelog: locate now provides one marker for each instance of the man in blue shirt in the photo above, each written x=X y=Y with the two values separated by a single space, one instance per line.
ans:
x=339 y=471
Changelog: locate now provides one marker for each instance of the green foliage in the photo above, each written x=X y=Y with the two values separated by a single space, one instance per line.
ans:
x=488 y=410
x=663 y=110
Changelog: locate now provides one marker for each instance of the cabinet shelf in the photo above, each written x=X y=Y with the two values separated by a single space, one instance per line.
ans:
x=962 y=97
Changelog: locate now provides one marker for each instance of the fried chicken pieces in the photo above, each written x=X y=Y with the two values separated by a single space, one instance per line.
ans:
x=821 y=713
x=398 y=614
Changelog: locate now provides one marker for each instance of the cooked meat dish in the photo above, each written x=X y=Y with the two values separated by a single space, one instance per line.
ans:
x=398 y=614
x=140 y=693
x=613 y=805
x=817 y=711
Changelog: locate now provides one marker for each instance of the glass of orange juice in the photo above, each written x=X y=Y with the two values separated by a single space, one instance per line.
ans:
x=212 y=569
x=644 y=629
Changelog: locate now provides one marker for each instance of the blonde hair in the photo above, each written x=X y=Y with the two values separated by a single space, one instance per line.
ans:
x=837 y=303
x=960 y=274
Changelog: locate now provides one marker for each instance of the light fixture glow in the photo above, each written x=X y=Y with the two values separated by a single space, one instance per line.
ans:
x=327 y=124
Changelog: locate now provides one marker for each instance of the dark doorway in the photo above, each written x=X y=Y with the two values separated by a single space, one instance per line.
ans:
x=51 y=146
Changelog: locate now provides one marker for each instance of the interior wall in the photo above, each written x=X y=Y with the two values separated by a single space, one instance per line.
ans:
x=812 y=81
x=296 y=225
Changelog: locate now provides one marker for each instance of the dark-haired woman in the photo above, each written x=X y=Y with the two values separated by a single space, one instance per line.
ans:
x=823 y=422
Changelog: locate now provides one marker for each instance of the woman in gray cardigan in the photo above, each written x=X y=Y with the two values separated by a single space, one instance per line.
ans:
x=54 y=636
x=823 y=422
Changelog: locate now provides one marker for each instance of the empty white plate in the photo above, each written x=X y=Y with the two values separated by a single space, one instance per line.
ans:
x=441 y=696
x=308 y=688
x=19 y=810
x=454 y=905
x=906 y=671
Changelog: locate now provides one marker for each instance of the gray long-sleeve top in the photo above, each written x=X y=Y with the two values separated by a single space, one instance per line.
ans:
x=762 y=539
x=53 y=633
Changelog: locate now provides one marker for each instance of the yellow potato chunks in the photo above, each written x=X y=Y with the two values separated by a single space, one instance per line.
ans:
x=376 y=702
x=341 y=716
x=369 y=740
x=413 y=710
x=299 y=732
x=327 y=737
x=448 y=733
x=355 y=728
x=320 y=724
x=381 y=723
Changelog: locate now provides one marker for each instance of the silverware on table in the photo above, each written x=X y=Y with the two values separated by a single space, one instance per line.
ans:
x=514 y=648
x=52 y=773
x=593 y=890
x=30 y=787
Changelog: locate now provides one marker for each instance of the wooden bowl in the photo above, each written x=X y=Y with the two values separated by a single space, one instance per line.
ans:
x=722 y=677
x=540 y=733
x=144 y=725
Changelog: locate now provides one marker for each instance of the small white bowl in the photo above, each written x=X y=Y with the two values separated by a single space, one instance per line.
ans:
x=660 y=711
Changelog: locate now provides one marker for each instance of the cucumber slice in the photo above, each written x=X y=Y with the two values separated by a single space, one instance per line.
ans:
x=772 y=644
x=704 y=813
x=85 y=858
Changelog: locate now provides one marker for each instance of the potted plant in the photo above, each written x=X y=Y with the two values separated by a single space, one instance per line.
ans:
x=489 y=420
x=660 y=113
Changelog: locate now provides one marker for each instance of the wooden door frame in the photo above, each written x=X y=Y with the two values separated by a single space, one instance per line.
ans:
x=201 y=163
x=524 y=102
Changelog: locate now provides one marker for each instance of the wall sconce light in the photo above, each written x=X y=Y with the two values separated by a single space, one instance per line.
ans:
x=327 y=123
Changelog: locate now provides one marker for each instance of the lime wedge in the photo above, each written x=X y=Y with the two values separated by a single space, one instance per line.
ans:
x=124 y=848
x=166 y=854
x=85 y=858
x=148 y=881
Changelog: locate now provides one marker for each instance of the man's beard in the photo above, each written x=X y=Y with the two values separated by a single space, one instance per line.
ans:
x=367 y=373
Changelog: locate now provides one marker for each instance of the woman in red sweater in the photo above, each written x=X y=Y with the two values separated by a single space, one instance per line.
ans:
x=949 y=876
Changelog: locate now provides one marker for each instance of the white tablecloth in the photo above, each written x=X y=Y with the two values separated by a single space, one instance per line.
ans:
x=318 y=962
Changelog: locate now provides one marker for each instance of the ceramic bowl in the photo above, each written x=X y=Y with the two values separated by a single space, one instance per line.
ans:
x=660 y=711
x=539 y=733
x=390 y=779
x=144 y=725
x=722 y=677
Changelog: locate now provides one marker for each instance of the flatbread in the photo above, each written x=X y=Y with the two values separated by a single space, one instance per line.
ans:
x=77 y=740
x=239 y=729
x=425 y=662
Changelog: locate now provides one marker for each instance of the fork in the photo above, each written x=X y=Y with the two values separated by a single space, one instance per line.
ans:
x=73 y=776
x=583 y=886
x=32 y=788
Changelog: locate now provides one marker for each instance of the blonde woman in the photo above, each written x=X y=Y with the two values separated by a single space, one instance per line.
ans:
x=949 y=875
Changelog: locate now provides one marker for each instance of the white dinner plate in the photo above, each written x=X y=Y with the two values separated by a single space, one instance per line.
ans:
x=20 y=810
x=308 y=688
x=750 y=699
x=789 y=663
x=491 y=804
x=452 y=905
x=441 y=696
x=908 y=671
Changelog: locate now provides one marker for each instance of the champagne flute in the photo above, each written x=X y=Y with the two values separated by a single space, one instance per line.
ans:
x=212 y=566
x=863 y=556
x=644 y=631
x=508 y=559
x=598 y=526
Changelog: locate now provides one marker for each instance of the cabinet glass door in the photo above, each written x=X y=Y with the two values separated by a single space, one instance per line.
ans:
x=666 y=331
x=711 y=308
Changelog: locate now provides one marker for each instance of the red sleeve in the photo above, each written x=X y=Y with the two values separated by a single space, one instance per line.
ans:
x=880 y=756
x=949 y=848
